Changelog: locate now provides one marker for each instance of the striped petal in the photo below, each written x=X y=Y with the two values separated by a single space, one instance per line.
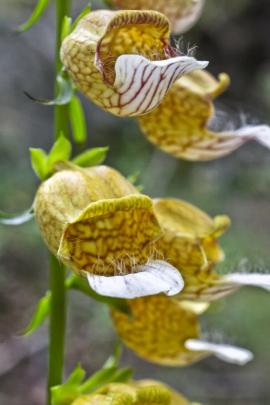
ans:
x=143 y=84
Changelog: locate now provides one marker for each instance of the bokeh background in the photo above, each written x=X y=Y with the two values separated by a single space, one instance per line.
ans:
x=235 y=37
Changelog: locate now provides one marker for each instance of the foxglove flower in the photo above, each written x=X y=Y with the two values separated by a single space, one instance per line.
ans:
x=165 y=331
x=99 y=225
x=183 y=14
x=179 y=126
x=123 y=60
x=189 y=243
x=143 y=392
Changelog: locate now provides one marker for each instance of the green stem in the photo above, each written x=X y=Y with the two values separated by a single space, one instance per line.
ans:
x=63 y=8
x=57 y=324
x=57 y=270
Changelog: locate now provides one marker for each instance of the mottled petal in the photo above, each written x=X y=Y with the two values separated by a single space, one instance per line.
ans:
x=153 y=278
x=228 y=353
x=123 y=60
x=179 y=126
x=183 y=14
x=157 y=330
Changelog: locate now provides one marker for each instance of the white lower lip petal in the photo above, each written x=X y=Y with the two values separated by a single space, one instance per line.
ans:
x=142 y=84
x=153 y=278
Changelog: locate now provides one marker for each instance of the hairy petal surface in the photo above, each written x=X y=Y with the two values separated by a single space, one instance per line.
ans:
x=179 y=126
x=155 y=277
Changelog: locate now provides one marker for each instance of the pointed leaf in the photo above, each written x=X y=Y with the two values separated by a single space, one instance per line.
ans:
x=66 y=27
x=91 y=157
x=65 y=394
x=41 y=312
x=77 y=120
x=113 y=360
x=85 y=11
x=123 y=375
x=39 y=162
x=101 y=377
x=16 y=219
x=35 y=16
x=60 y=151
x=65 y=92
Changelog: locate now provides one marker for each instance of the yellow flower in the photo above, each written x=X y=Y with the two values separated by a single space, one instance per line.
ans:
x=189 y=243
x=165 y=331
x=100 y=226
x=179 y=125
x=143 y=392
x=183 y=14
x=123 y=60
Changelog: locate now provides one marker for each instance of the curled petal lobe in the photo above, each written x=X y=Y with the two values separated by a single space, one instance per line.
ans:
x=123 y=60
x=228 y=353
x=152 y=278
x=188 y=242
x=179 y=126
x=182 y=14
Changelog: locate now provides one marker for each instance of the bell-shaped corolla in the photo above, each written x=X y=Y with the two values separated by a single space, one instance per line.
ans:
x=189 y=243
x=123 y=60
x=180 y=124
x=182 y=14
x=97 y=223
x=142 y=392
x=165 y=331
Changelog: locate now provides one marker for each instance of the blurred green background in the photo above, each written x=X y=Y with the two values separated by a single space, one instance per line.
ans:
x=235 y=37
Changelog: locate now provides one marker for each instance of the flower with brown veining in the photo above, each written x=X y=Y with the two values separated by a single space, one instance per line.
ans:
x=165 y=331
x=179 y=125
x=143 y=392
x=98 y=224
x=182 y=14
x=189 y=243
x=123 y=60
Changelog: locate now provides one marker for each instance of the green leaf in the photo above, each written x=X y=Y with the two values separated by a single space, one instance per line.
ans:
x=80 y=284
x=65 y=394
x=85 y=11
x=35 y=16
x=123 y=375
x=41 y=312
x=60 y=151
x=66 y=27
x=101 y=377
x=16 y=219
x=39 y=162
x=113 y=360
x=77 y=120
x=64 y=94
x=91 y=157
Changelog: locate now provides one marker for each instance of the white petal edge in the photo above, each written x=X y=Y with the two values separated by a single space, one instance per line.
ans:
x=226 y=142
x=250 y=279
x=228 y=353
x=142 y=84
x=155 y=277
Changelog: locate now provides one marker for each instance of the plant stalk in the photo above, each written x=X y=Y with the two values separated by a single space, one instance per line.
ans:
x=57 y=270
